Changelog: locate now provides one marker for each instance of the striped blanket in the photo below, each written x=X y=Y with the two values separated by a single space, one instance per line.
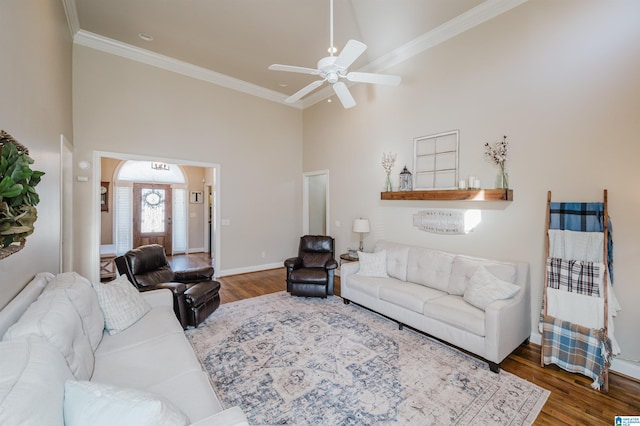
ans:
x=576 y=349
x=584 y=217
x=575 y=276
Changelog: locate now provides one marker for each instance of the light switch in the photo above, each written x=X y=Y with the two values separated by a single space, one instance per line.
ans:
x=225 y=222
x=337 y=224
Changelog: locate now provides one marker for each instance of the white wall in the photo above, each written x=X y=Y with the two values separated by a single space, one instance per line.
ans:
x=35 y=83
x=196 y=212
x=560 y=79
x=127 y=107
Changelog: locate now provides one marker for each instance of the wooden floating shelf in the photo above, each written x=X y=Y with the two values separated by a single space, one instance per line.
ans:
x=451 y=195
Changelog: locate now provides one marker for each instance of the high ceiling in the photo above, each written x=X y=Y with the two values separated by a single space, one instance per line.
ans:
x=241 y=38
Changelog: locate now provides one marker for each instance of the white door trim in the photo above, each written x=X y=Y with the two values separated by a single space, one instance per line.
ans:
x=97 y=170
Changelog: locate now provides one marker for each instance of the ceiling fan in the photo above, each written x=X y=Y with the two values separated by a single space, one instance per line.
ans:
x=333 y=69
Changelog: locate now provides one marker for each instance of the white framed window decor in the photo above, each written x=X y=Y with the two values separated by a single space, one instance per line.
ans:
x=435 y=161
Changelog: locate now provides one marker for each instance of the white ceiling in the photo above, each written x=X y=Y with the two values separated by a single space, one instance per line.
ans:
x=237 y=40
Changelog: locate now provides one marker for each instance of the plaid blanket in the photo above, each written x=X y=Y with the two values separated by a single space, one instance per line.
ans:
x=584 y=217
x=587 y=217
x=575 y=276
x=576 y=349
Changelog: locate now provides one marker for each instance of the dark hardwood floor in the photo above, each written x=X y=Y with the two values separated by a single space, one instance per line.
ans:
x=572 y=400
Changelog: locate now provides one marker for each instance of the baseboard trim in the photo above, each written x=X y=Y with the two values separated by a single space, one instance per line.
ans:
x=628 y=368
x=247 y=269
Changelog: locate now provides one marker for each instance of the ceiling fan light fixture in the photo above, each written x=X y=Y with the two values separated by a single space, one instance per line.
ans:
x=332 y=69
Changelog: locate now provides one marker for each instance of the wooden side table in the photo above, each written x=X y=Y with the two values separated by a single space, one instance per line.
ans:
x=344 y=257
x=107 y=264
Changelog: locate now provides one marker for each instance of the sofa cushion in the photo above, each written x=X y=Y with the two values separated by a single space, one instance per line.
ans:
x=373 y=264
x=180 y=390
x=409 y=295
x=429 y=267
x=368 y=285
x=97 y=404
x=397 y=258
x=464 y=267
x=453 y=310
x=80 y=292
x=55 y=318
x=158 y=322
x=32 y=376
x=154 y=359
x=121 y=304
x=484 y=288
x=233 y=416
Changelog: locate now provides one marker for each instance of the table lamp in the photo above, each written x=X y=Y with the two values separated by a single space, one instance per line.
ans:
x=361 y=226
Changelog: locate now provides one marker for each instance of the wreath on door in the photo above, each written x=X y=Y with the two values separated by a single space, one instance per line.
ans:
x=18 y=196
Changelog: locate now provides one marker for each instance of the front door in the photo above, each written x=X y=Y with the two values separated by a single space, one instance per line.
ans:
x=152 y=215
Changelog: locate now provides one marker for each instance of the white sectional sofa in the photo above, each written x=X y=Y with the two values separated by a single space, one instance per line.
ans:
x=430 y=290
x=58 y=364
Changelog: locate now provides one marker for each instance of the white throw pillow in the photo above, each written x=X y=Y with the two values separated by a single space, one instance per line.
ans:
x=373 y=264
x=121 y=304
x=464 y=267
x=485 y=288
x=96 y=404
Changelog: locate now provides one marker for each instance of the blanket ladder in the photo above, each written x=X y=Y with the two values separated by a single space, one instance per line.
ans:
x=605 y=276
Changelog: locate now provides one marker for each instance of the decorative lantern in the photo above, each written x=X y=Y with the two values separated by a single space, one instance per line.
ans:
x=406 y=183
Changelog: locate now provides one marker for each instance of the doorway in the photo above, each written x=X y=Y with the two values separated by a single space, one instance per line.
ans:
x=213 y=169
x=315 y=198
x=152 y=215
x=66 y=204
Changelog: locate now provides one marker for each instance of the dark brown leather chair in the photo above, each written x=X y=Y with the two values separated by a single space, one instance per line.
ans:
x=311 y=273
x=195 y=293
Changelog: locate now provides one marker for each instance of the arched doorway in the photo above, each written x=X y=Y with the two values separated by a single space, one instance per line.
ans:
x=149 y=206
x=103 y=239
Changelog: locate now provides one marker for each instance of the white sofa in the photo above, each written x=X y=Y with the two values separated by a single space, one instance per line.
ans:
x=425 y=289
x=54 y=340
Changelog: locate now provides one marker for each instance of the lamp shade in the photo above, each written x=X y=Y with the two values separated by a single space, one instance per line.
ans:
x=361 y=225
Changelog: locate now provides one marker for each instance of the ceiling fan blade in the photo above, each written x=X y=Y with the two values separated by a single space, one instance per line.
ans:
x=290 y=68
x=344 y=95
x=350 y=53
x=364 y=77
x=306 y=89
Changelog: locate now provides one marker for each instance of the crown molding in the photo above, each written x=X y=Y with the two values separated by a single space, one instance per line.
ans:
x=71 y=11
x=124 y=50
x=461 y=23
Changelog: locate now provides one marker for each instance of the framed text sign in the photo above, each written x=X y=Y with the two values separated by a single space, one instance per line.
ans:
x=196 y=197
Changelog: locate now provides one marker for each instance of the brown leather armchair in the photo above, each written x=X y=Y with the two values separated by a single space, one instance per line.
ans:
x=195 y=294
x=311 y=273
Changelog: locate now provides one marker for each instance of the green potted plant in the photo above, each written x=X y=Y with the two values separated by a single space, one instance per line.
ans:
x=18 y=196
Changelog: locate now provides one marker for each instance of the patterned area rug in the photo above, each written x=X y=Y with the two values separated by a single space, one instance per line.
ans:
x=307 y=361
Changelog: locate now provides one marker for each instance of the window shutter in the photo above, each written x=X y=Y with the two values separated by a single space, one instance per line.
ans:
x=123 y=207
x=179 y=220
